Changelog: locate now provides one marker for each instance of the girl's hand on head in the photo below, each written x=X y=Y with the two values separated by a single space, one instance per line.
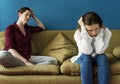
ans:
x=80 y=21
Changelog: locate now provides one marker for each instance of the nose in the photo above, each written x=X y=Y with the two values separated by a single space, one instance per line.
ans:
x=94 y=33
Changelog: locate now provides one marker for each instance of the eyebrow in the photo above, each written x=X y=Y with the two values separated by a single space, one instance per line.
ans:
x=90 y=29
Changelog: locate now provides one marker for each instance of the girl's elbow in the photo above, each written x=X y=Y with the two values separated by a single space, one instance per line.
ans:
x=99 y=51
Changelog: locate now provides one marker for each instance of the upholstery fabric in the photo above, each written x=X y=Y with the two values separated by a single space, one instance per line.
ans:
x=2 y=40
x=31 y=70
x=69 y=68
x=114 y=41
x=34 y=49
x=40 y=79
x=116 y=52
x=61 y=48
x=2 y=43
x=115 y=68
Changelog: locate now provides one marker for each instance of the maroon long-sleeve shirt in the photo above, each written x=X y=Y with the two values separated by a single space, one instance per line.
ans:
x=14 y=39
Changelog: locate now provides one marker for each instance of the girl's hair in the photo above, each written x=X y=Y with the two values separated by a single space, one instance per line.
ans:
x=23 y=9
x=91 y=18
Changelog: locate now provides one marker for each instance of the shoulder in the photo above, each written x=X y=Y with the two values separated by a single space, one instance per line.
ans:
x=77 y=31
x=107 y=31
x=11 y=28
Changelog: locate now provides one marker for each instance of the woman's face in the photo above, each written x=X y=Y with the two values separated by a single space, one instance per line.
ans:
x=93 y=29
x=25 y=16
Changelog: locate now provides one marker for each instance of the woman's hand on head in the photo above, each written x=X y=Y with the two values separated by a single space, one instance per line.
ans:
x=32 y=13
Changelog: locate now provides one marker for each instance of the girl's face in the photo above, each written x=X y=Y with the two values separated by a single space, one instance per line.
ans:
x=93 y=29
x=25 y=16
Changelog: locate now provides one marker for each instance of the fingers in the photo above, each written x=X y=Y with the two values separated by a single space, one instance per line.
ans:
x=28 y=63
x=32 y=13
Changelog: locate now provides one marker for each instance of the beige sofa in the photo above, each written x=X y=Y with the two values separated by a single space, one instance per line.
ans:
x=61 y=45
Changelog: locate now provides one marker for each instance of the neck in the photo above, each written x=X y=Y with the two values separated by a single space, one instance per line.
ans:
x=21 y=27
x=20 y=24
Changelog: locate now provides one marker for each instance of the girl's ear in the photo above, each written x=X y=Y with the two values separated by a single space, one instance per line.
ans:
x=103 y=26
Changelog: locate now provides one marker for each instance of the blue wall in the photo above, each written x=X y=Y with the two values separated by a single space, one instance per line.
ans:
x=61 y=14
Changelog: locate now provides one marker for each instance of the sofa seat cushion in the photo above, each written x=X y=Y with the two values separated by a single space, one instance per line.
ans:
x=31 y=70
x=69 y=68
x=60 y=48
x=116 y=52
x=115 y=67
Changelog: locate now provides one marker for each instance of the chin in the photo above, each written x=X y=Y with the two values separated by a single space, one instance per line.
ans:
x=25 y=22
x=93 y=35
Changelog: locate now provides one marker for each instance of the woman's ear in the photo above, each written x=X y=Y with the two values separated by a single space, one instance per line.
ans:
x=19 y=14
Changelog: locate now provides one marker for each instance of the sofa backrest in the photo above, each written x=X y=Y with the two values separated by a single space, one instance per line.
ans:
x=2 y=40
x=42 y=39
x=115 y=40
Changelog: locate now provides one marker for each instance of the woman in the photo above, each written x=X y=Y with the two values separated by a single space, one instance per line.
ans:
x=17 y=49
x=92 y=39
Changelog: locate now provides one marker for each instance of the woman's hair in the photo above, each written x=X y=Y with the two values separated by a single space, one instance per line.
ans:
x=23 y=9
x=91 y=18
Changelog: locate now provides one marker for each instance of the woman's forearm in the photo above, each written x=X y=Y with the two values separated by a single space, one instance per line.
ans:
x=17 y=55
x=39 y=23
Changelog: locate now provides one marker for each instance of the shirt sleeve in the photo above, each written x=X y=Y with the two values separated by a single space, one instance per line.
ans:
x=102 y=41
x=83 y=42
x=9 y=38
x=34 y=29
